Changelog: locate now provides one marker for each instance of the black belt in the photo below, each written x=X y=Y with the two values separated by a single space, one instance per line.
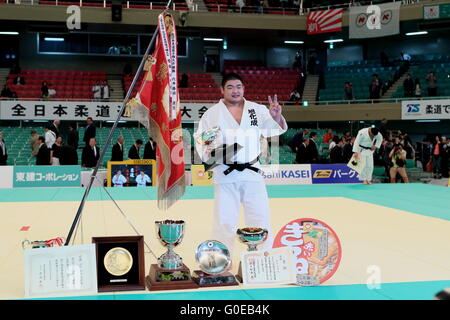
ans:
x=367 y=148
x=242 y=166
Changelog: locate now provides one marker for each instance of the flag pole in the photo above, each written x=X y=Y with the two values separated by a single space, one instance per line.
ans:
x=111 y=132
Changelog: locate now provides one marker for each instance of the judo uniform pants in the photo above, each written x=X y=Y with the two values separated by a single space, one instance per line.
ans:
x=228 y=198
x=367 y=171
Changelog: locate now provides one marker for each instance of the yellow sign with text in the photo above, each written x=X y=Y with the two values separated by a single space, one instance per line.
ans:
x=200 y=177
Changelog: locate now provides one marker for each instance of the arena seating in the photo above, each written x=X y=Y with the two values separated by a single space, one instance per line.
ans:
x=359 y=73
x=261 y=82
x=201 y=87
x=421 y=66
x=68 y=84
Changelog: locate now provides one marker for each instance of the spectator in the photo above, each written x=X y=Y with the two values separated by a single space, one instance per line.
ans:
x=397 y=165
x=117 y=150
x=437 y=152
x=19 y=80
x=445 y=157
x=133 y=153
x=375 y=89
x=44 y=90
x=51 y=91
x=89 y=130
x=347 y=150
x=417 y=89
x=3 y=151
x=184 y=82
x=405 y=57
x=348 y=91
x=50 y=137
x=55 y=127
x=328 y=136
x=69 y=155
x=295 y=96
x=337 y=153
x=34 y=143
x=105 y=91
x=334 y=141
x=90 y=155
x=150 y=149
x=297 y=140
x=55 y=152
x=127 y=70
x=302 y=152
x=73 y=137
x=408 y=86
x=43 y=155
x=432 y=84
x=96 y=91
x=7 y=92
x=312 y=149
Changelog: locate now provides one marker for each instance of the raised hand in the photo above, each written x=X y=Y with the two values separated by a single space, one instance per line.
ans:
x=274 y=108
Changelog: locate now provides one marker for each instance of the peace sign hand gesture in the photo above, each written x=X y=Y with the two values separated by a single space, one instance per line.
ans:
x=275 y=108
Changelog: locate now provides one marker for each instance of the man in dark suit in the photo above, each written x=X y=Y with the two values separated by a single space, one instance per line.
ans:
x=336 y=154
x=43 y=155
x=55 y=127
x=133 y=153
x=347 y=151
x=150 y=149
x=3 y=152
x=297 y=140
x=117 y=150
x=302 y=152
x=72 y=139
x=90 y=155
x=312 y=148
x=89 y=131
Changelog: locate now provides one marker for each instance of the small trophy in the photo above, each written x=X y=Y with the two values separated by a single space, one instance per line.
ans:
x=170 y=273
x=214 y=261
x=252 y=237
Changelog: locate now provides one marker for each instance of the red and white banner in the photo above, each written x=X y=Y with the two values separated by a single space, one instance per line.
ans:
x=324 y=21
x=157 y=106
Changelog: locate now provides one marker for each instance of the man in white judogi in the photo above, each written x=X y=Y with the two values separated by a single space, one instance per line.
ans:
x=142 y=179
x=242 y=122
x=118 y=180
x=366 y=142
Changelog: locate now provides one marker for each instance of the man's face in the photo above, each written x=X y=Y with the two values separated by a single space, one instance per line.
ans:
x=233 y=91
x=1 y=135
x=57 y=122
x=89 y=121
x=92 y=142
x=119 y=173
x=121 y=140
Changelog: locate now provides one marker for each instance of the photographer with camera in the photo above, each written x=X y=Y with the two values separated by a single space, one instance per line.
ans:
x=398 y=161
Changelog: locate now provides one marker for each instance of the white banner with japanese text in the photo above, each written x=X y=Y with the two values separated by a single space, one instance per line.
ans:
x=425 y=109
x=79 y=110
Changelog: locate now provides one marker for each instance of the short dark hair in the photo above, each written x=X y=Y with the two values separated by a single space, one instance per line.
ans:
x=374 y=131
x=33 y=131
x=231 y=76
x=89 y=118
x=139 y=141
x=41 y=138
x=312 y=134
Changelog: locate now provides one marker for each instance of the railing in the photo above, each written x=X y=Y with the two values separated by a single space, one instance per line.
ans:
x=220 y=8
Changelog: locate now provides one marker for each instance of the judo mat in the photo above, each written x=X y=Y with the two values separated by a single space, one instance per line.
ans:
x=401 y=230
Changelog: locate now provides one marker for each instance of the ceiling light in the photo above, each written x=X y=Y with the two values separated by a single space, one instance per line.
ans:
x=334 y=40
x=416 y=33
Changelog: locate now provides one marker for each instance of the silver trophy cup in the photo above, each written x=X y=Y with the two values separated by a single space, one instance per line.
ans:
x=252 y=237
x=170 y=233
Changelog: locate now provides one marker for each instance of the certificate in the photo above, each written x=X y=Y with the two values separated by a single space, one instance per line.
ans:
x=60 y=271
x=275 y=266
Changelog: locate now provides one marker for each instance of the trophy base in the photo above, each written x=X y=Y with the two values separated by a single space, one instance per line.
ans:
x=209 y=280
x=169 y=279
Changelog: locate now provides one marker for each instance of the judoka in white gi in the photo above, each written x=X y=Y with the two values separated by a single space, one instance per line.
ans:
x=142 y=179
x=241 y=122
x=366 y=142
x=118 y=180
